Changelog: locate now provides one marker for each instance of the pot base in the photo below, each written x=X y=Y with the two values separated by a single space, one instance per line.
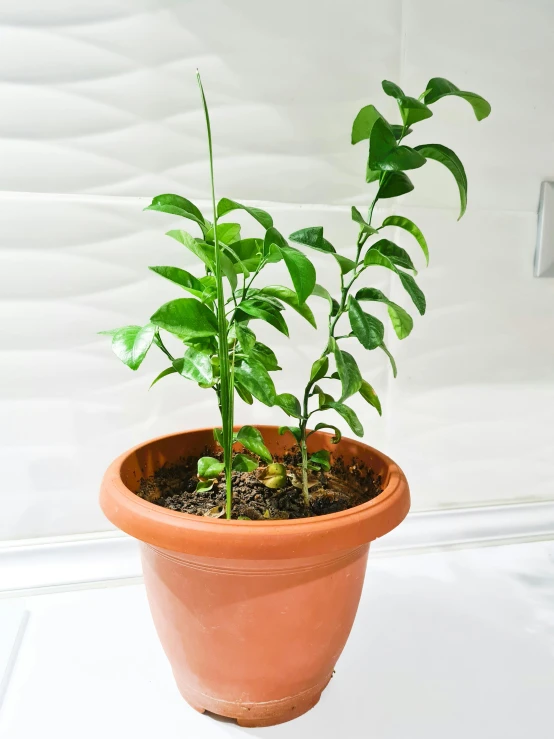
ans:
x=256 y=715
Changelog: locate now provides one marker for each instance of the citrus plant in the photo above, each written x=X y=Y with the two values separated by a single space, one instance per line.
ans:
x=387 y=161
x=220 y=350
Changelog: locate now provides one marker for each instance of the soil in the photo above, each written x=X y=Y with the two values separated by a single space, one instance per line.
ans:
x=344 y=486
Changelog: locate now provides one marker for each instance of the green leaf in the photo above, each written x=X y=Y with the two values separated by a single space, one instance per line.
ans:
x=252 y=440
x=244 y=463
x=273 y=317
x=218 y=436
x=364 y=226
x=395 y=253
x=322 y=459
x=265 y=355
x=319 y=369
x=369 y=394
x=186 y=318
x=413 y=291
x=391 y=359
x=322 y=292
x=438 y=87
x=364 y=122
x=294 y=430
x=312 y=237
x=192 y=245
x=226 y=206
x=366 y=328
x=227 y=233
x=450 y=160
x=208 y=467
x=336 y=438
x=401 y=321
x=350 y=377
x=290 y=404
x=407 y=225
x=182 y=278
x=245 y=337
x=164 y=373
x=243 y=393
x=411 y=109
x=301 y=270
x=227 y=266
x=255 y=378
x=346 y=265
x=131 y=343
x=348 y=414
x=400 y=132
x=394 y=184
x=196 y=366
x=289 y=297
x=274 y=238
x=386 y=155
x=178 y=206
x=375 y=258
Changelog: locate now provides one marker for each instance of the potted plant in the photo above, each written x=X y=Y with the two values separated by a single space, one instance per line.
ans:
x=254 y=541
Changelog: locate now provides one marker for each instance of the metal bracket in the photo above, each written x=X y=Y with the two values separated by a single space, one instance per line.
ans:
x=544 y=250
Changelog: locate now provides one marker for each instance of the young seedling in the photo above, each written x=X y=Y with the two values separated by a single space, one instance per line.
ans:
x=221 y=352
x=387 y=163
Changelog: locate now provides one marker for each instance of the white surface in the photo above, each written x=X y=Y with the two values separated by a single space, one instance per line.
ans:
x=457 y=644
x=100 y=103
x=91 y=560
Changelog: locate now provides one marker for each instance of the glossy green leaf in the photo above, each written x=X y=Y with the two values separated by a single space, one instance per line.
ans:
x=400 y=132
x=411 y=109
x=401 y=321
x=364 y=122
x=181 y=277
x=255 y=378
x=413 y=291
x=337 y=434
x=369 y=394
x=227 y=233
x=226 y=206
x=386 y=155
x=209 y=467
x=289 y=297
x=196 y=366
x=321 y=460
x=227 y=266
x=294 y=430
x=312 y=237
x=394 y=184
x=164 y=373
x=350 y=377
x=252 y=440
x=319 y=369
x=179 y=206
x=192 y=245
x=245 y=336
x=273 y=317
x=290 y=404
x=366 y=328
x=262 y=353
x=346 y=265
x=301 y=270
x=244 y=463
x=407 y=225
x=322 y=292
x=348 y=414
x=397 y=255
x=186 y=318
x=130 y=344
x=391 y=359
x=243 y=393
x=450 y=160
x=218 y=436
x=273 y=238
x=438 y=87
x=364 y=226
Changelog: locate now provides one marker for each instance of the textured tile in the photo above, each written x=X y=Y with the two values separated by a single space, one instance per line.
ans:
x=450 y=644
x=124 y=116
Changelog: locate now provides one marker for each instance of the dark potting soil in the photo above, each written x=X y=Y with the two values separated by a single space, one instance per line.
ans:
x=344 y=486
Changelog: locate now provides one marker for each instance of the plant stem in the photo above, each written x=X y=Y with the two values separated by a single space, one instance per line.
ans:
x=225 y=371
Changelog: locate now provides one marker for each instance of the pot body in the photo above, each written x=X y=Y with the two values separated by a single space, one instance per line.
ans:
x=252 y=615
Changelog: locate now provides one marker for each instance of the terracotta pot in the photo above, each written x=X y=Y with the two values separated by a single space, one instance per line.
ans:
x=252 y=615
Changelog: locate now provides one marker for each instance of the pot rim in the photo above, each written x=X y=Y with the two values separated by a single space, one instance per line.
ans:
x=185 y=532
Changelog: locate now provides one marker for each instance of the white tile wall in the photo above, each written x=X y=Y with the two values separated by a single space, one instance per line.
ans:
x=102 y=112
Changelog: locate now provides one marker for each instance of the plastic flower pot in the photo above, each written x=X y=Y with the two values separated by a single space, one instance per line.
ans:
x=252 y=615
